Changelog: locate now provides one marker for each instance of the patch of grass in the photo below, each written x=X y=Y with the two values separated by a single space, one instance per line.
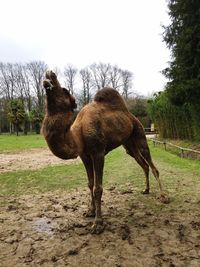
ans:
x=180 y=177
x=194 y=145
x=21 y=142
x=47 y=179
x=165 y=157
x=64 y=177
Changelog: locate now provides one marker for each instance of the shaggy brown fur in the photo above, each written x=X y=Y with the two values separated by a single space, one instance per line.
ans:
x=99 y=127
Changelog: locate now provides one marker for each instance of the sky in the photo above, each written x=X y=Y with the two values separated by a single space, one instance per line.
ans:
x=127 y=33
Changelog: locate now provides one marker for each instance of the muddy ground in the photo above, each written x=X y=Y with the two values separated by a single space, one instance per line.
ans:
x=50 y=230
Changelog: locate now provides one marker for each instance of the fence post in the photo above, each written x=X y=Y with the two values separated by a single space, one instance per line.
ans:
x=182 y=153
x=165 y=145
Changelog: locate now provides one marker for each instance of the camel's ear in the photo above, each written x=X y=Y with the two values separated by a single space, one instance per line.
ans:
x=73 y=102
x=51 y=75
x=66 y=92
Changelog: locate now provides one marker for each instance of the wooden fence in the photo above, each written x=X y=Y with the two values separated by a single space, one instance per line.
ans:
x=182 y=149
x=150 y=131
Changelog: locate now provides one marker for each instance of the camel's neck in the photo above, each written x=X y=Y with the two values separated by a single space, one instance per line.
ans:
x=59 y=137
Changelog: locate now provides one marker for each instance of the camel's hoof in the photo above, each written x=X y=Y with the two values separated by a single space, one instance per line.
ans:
x=145 y=192
x=164 y=199
x=89 y=213
x=98 y=227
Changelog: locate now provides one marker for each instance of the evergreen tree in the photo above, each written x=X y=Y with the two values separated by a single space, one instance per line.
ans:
x=36 y=117
x=17 y=114
x=182 y=36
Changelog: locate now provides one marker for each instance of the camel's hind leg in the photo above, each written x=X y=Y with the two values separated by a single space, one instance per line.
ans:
x=139 y=142
x=133 y=152
x=137 y=147
x=144 y=150
x=142 y=145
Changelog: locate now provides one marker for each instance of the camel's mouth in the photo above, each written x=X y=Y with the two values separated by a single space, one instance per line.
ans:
x=48 y=84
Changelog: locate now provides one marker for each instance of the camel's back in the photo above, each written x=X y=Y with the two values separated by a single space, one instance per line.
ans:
x=111 y=97
x=105 y=123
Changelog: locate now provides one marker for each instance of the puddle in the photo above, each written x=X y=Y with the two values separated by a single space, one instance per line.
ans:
x=43 y=225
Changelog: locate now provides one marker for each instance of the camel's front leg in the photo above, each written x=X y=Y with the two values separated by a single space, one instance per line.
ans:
x=90 y=173
x=98 y=164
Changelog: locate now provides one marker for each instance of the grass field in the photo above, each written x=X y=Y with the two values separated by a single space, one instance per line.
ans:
x=15 y=143
x=181 y=177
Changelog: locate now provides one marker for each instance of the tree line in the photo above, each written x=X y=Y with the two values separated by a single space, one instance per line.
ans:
x=176 y=110
x=22 y=97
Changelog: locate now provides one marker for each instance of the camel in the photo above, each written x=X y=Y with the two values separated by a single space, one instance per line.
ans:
x=100 y=126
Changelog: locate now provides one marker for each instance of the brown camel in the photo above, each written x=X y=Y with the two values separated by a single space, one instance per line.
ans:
x=99 y=127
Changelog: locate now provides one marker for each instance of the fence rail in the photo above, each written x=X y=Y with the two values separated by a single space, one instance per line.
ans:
x=182 y=149
x=150 y=131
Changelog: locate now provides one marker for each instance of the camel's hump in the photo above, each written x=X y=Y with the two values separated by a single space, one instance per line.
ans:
x=110 y=96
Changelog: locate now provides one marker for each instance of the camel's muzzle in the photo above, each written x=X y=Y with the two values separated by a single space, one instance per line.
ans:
x=47 y=84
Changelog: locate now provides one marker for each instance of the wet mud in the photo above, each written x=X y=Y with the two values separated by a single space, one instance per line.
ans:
x=50 y=230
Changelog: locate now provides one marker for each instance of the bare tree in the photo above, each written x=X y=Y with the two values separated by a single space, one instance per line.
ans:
x=127 y=77
x=22 y=84
x=70 y=74
x=100 y=73
x=18 y=76
x=95 y=76
x=115 y=77
x=7 y=80
x=27 y=87
x=86 y=79
x=37 y=70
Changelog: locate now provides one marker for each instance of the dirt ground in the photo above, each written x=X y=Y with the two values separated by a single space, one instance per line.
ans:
x=30 y=159
x=49 y=230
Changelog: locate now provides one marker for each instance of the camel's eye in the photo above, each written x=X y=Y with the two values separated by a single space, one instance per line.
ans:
x=66 y=92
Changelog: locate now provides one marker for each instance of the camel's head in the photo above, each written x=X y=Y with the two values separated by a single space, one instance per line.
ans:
x=59 y=99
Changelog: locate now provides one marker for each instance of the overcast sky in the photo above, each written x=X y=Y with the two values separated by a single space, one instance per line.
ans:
x=81 y=32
